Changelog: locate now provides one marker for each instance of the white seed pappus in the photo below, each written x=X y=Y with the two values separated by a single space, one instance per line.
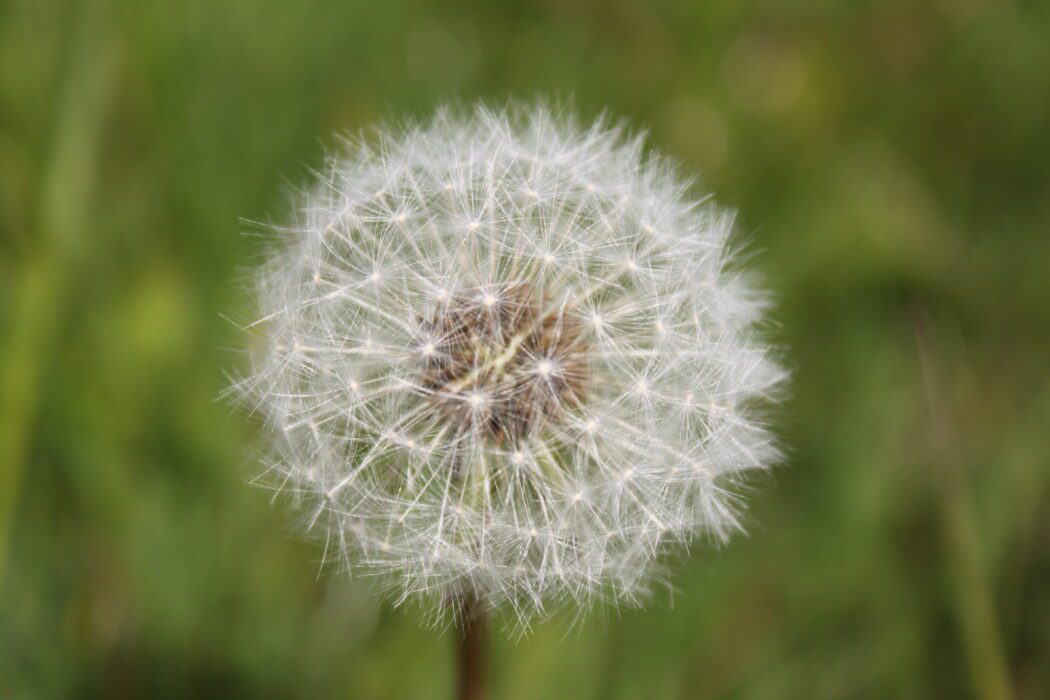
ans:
x=502 y=352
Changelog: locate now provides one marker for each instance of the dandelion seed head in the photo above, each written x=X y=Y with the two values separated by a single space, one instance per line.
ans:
x=496 y=351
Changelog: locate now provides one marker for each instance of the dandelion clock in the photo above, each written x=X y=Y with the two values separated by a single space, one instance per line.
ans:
x=506 y=362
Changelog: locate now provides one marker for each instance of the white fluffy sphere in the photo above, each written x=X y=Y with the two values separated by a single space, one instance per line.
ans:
x=508 y=355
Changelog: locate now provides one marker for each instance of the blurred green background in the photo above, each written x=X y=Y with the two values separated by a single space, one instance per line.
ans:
x=890 y=164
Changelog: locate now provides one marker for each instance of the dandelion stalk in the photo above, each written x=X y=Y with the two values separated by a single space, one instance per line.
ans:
x=471 y=647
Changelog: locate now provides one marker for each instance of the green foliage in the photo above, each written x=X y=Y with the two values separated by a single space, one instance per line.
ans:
x=889 y=163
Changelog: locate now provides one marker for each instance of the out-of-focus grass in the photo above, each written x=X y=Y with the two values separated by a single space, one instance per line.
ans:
x=889 y=162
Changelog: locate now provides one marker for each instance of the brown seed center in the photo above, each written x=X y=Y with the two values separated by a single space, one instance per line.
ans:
x=496 y=360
